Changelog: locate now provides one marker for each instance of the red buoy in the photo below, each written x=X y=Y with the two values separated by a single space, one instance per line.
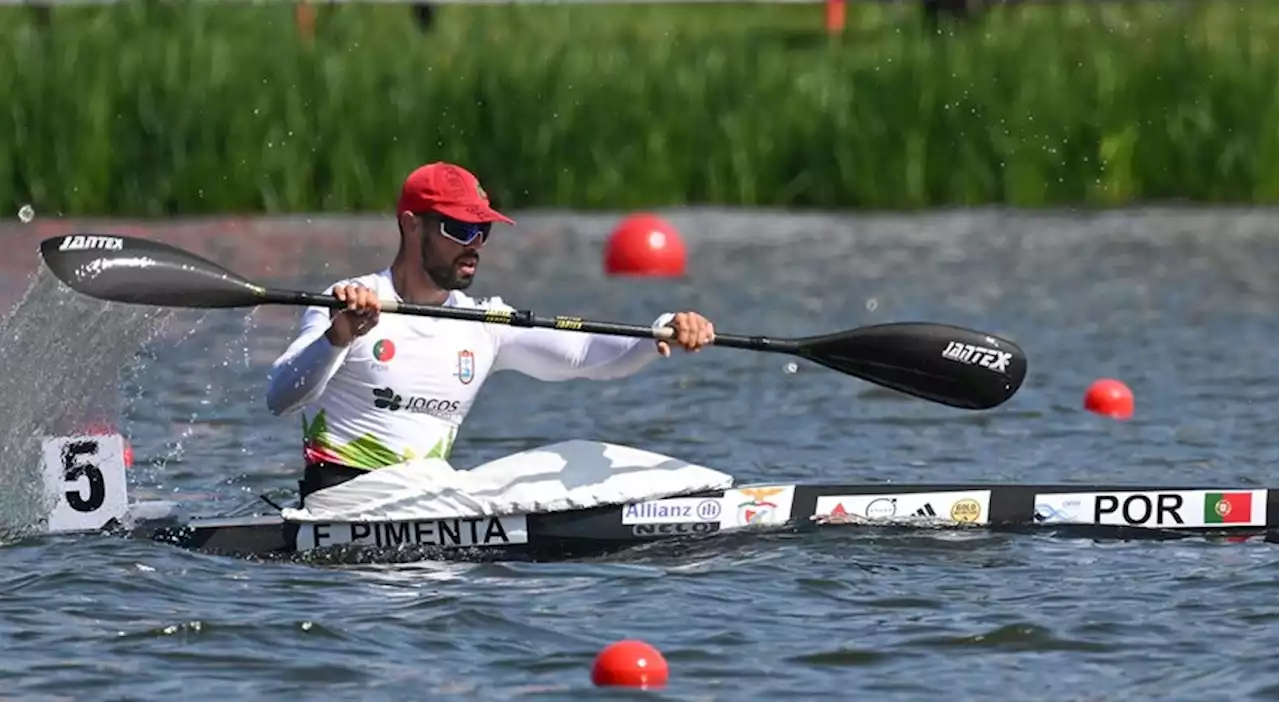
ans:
x=630 y=663
x=645 y=245
x=1110 y=398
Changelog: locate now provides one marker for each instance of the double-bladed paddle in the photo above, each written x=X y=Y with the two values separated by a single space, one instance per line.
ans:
x=945 y=364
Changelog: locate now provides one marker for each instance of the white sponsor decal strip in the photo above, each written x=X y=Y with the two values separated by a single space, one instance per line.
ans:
x=1155 y=509
x=960 y=506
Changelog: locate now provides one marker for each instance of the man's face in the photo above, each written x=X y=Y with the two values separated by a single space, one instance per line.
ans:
x=450 y=264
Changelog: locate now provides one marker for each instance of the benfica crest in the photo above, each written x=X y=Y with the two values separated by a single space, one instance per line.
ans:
x=759 y=507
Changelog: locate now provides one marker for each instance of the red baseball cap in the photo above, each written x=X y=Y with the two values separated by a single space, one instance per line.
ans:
x=449 y=190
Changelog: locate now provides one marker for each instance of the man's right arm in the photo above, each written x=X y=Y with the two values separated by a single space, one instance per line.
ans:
x=301 y=373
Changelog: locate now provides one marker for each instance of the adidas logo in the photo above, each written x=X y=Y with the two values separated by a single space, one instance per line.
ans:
x=926 y=511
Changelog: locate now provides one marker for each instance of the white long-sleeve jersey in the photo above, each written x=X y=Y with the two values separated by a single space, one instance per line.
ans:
x=402 y=390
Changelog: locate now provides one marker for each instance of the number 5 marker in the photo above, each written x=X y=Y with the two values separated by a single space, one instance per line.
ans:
x=84 y=477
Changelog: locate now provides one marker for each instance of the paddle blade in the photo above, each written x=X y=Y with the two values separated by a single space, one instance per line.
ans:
x=140 y=271
x=950 y=365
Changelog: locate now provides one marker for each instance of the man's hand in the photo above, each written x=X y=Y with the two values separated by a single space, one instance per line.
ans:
x=361 y=314
x=693 y=331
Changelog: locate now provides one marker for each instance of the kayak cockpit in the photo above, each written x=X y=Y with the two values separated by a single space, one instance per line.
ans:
x=569 y=475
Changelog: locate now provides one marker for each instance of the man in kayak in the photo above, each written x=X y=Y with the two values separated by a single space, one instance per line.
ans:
x=382 y=390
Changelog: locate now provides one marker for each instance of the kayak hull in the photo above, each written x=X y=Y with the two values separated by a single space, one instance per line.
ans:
x=1124 y=512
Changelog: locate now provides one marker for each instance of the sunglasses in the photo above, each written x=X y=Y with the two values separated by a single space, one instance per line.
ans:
x=464 y=233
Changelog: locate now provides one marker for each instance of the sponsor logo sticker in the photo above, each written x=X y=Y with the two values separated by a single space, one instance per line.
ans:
x=82 y=242
x=966 y=510
x=659 y=530
x=758 y=505
x=882 y=508
x=994 y=360
x=676 y=510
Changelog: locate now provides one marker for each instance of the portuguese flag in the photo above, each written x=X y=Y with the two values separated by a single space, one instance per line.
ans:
x=1227 y=507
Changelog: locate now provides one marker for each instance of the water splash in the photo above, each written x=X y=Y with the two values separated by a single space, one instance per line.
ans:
x=180 y=403
x=62 y=356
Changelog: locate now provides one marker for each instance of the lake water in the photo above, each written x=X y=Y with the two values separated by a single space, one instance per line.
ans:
x=1180 y=304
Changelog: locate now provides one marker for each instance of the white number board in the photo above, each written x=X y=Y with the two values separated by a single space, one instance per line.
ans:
x=84 y=476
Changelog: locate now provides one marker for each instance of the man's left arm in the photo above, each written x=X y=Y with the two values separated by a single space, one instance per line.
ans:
x=548 y=354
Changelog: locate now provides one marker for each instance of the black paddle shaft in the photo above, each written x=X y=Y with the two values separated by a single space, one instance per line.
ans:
x=946 y=364
x=526 y=318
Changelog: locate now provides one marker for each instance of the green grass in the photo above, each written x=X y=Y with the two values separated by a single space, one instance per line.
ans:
x=156 y=109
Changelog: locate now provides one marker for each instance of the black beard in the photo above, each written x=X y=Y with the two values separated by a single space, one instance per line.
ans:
x=445 y=275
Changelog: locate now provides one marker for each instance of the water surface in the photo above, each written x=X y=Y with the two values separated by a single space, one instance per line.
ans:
x=1180 y=304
